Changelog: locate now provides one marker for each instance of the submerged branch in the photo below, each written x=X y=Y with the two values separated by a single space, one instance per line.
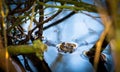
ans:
x=60 y=20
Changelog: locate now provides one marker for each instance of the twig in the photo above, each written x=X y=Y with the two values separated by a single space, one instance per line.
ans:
x=19 y=21
x=18 y=10
x=43 y=22
x=32 y=17
x=30 y=32
x=74 y=8
x=41 y=19
x=78 y=5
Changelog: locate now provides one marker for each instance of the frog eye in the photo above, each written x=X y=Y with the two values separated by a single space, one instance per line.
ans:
x=72 y=46
x=63 y=43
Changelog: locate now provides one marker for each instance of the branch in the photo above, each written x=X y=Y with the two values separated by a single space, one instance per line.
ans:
x=41 y=19
x=32 y=17
x=78 y=6
x=38 y=48
x=19 y=20
x=18 y=10
x=21 y=49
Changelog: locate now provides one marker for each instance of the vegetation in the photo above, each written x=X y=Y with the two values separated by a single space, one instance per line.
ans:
x=14 y=40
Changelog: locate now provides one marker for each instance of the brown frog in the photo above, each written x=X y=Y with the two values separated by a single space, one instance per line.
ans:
x=66 y=47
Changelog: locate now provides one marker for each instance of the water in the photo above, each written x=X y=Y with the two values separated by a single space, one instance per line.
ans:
x=76 y=61
x=69 y=62
x=81 y=29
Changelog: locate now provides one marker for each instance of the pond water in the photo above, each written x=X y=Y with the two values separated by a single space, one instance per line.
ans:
x=80 y=29
x=69 y=62
x=73 y=62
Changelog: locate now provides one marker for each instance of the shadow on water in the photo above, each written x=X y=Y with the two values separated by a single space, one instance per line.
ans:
x=57 y=60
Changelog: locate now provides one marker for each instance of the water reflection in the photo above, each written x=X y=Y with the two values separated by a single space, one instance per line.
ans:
x=74 y=62
x=56 y=62
x=69 y=62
